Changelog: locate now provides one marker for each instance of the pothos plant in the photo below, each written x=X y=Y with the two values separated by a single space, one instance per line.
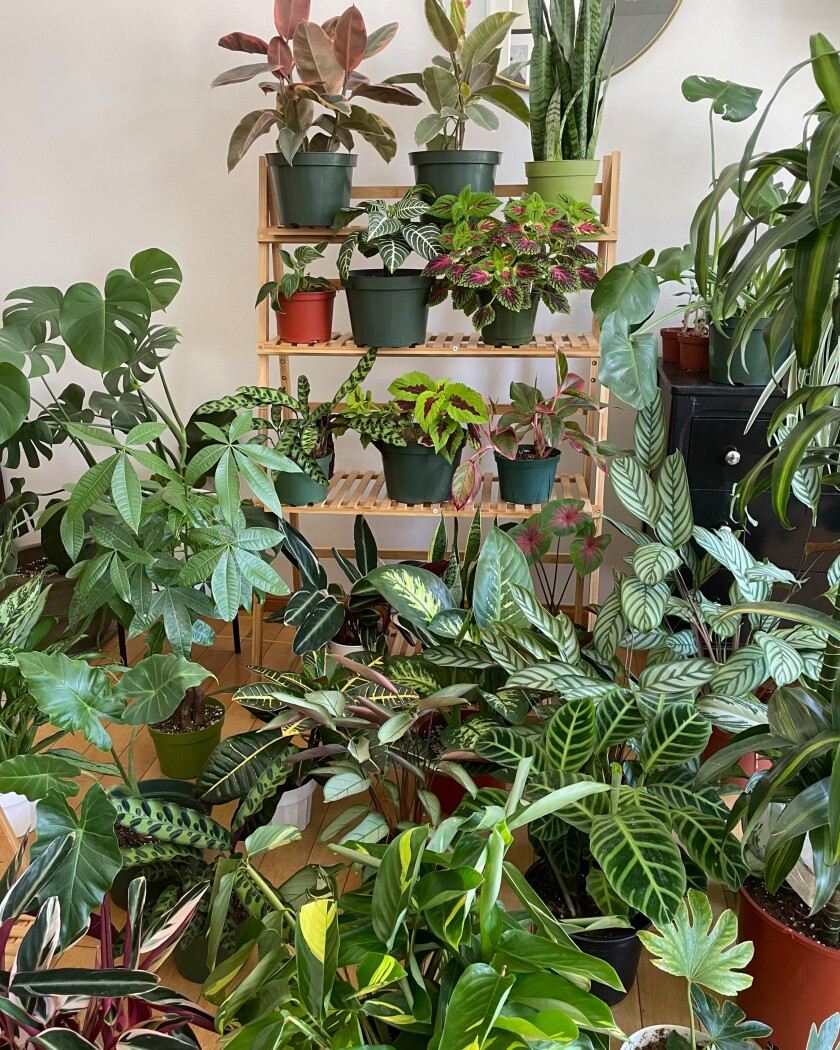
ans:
x=314 y=67
x=296 y=278
x=392 y=232
x=302 y=434
x=534 y=251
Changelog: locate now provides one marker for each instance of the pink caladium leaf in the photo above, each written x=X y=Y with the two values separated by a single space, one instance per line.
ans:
x=466 y=482
x=531 y=538
x=587 y=551
x=564 y=516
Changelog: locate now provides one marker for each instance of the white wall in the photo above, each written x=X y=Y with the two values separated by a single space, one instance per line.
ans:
x=113 y=142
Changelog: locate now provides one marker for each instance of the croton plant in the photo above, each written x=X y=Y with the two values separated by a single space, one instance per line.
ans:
x=533 y=250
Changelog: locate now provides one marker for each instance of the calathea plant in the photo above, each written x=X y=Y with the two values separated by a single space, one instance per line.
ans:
x=392 y=232
x=313 y=67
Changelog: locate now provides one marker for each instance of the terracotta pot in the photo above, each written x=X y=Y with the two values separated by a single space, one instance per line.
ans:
x=796 y=981
x=670 y=345
x=306 y=317
x=694 y=352
x=750 y=763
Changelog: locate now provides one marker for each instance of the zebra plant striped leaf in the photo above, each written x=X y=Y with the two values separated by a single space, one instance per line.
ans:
x=677 y=678
x=673 y=736
x=676 y=522
x=641 y=861
x=610 y=625
x=708 y=843
x=559 y=629
x=653 y=562
x=570 y=735
x=617 y=719
x=507 y=747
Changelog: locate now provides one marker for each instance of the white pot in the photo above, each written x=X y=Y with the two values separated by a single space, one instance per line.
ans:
x=337 y=649
x=648 y=1036
x=295 y=806
x=19 y=811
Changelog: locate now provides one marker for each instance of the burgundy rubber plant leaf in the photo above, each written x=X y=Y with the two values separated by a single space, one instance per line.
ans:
x=280 y=57
x=251 y=45
x=288 y=14
x=350 y=39
x=587 y=551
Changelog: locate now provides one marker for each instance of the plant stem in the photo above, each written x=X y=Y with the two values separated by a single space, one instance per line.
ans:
x=615 y=787
x=691 y=1017
x=80 y=445
x=120 y=766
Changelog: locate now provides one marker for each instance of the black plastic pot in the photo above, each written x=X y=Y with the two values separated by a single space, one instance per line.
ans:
x=417 y=474
x=296 y=489
x=450 y=170
x=622 y=951
x=388 y=309
x=511 y=328
x=182 y=793
x=527 y=481
x=733 y=366
x=310 y=191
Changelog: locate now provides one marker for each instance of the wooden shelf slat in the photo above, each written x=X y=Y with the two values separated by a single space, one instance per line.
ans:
x=363 y=492
x=573 y=345
x=316 y=234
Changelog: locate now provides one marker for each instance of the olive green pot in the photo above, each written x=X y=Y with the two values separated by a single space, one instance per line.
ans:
x=450 y=170
x=389 y=310
x=296 y=489
x=510 y=328
x=182 y=755
x=527 y=481
x=574 y=178
x=734 y=366
x=417 y=474
x=311 y=191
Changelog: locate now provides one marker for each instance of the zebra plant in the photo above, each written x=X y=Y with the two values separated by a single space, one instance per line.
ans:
x=393 y=232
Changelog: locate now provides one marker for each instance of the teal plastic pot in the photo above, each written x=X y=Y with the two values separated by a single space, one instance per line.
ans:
x=733 y=366
x=450 y=170
x=510 y=328
x=527 y=481
x=311 y=191
x=417 y=474
x=574 y=178
x=296 y=489
x=389 y=310
x=183 y=755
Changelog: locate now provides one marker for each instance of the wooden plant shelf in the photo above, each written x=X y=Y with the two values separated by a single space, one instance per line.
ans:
x=316 y=234
x=442 y=345
x=363 y=492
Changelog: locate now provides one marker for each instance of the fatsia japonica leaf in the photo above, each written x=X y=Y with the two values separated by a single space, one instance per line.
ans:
x=727 y=1024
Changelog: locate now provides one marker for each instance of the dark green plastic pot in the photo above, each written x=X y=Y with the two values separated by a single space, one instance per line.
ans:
x=310 y=191
x=296 y=489
x=190 y=957
x=388 y=309
x=736 y=367
x=450 y=170
x=417 y=474
x=527 y=481
x=510 y=328
x=161 y=790
x=183 y=755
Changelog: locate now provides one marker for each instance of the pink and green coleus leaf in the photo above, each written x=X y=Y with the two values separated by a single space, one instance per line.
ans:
x=587 y=551
x=484 y=316
x=476 y=277
x=466 y=482
x=562 y=517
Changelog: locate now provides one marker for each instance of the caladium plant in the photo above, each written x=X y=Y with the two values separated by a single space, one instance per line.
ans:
x=314 y=66
x=393 y=232
x=534 y=250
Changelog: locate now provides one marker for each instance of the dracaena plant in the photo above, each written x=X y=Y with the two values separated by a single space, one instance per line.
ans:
x=424 y=411
x=296 y=278
x=533 y=251
x=532 y=427
x=392 y=233
x=301 y=434
x=48 y=1002
x=421 y=945
x=314 y=67
x=461 y=84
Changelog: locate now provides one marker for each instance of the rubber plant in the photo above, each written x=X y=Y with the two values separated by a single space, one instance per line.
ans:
x=392 y=232
x=425 y=927
x=461 y=84
x=47 y=1002
x=314 y=67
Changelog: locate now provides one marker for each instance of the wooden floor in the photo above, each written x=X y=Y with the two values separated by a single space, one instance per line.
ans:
x=656 y=998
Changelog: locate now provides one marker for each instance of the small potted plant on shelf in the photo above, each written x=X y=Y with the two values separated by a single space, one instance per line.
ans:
x=388 y=308
x=302 y=303
x=304 y=435
x=420 y=433
x=313 y=67
x=526 y=439
x=568 y=84
x=499 y=269
x=461 y=87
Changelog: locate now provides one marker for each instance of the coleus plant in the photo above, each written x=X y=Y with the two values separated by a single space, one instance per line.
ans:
x=423 y=411
x=533 y=251
x=295 y=278
x=314 y=67
x=392 y=232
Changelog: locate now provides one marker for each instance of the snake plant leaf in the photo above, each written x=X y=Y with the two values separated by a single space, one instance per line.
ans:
x=316 y=948
x=674 y=735
x=570 y=735
x=704 y=954
x=414 y=593
x=733 y=102
x=641 y=861
x=37 y=776
x=395 y=883
x=168 y=822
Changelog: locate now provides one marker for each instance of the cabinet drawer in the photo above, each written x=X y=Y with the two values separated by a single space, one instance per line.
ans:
x=719 y=453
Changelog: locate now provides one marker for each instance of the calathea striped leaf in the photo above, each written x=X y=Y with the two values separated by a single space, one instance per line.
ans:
x=649 y=433
x=501 y=566
x=634 y=488
x=643 y=606
x=570 y=735
x=674 y=735
x=617 y=719
x=610 y=624
x=168 y=822
x=653 y=562
x=641 y=861
x=676 y=522
x=783 y=662
x=559 y=629
x=732 y=714
x=414 y=593
x=506 y=747
x=708 y=843
x=678 y=677
x=741 y=674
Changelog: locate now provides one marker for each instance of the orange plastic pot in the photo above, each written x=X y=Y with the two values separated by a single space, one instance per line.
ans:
x=670 y=345
x=796 y=981
x=307 y=317
x=694 y=352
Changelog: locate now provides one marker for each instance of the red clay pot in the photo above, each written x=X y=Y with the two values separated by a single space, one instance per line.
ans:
x=796 y=981
x=694 y=352
x=306 y=317
x=450 y=793
x=670 y=345
x=750 y=763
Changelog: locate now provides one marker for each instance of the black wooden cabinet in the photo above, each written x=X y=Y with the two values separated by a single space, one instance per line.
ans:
x=706 y=422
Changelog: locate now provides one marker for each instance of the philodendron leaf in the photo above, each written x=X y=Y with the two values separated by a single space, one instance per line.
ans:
x=474 y=1006
x=37 y=776
x=692 y=948
x=87 y=874
x=156 y=686
x=316 y=948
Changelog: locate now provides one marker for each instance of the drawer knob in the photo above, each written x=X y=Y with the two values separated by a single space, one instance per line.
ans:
x=733 y=457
